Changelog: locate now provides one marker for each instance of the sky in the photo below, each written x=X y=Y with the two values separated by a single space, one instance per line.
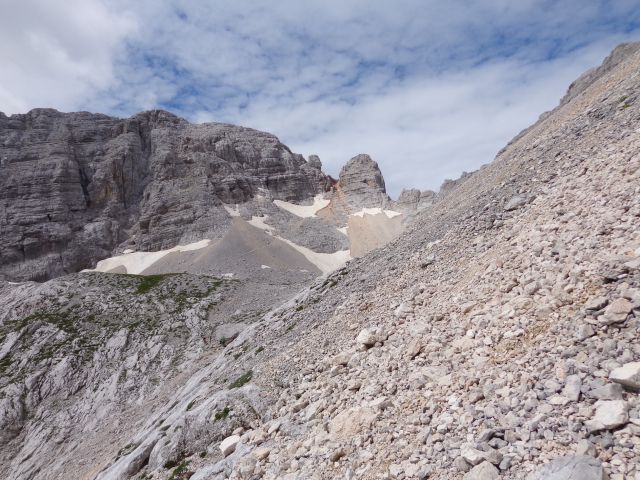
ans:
x=428 y=88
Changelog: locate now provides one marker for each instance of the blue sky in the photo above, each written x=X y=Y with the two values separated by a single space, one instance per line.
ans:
x=428 y=88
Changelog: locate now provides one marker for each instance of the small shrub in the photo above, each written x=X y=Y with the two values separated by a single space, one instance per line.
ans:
x=150 y=281
x=259 y=349
x=242 y=380
x=190 y=405
x=181 y=472
x=222 y=414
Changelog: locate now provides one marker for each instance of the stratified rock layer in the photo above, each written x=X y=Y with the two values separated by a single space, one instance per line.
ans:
x=75 y=186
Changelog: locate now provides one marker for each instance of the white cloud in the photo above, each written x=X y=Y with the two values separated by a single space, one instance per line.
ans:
x=428 y=88
x=57 y=53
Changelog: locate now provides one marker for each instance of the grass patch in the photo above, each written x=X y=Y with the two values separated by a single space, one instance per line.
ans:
x=242 y=380
x=181 y=472
x=150 y=281
x=222 y=414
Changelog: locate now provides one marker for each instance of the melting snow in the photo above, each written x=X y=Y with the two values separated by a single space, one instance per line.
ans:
x=304 y=211
x=376 y=211
x=137 y=262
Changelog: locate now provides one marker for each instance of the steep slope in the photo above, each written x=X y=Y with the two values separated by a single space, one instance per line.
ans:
x=497 y=334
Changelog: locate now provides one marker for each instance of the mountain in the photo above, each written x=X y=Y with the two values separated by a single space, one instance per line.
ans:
x=496 y=337
x=77 y=188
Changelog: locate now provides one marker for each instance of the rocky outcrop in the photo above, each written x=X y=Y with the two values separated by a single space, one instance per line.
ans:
x=74 y=187
x=412 y=200
x=361 y=183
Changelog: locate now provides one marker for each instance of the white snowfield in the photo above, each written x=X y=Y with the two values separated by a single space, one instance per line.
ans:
x=232 y=210
x=376 y=211
x=326 y=262
x=304 y=211
x=258 y=222
x=137 y=262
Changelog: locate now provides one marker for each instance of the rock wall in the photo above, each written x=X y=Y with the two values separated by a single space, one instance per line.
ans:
x=76 y=186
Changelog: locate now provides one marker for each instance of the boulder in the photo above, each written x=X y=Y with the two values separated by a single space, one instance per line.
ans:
x=229 y=444
x=609 y=414
x=627 y=375
x=572 y=467
x=483 y=471
x=616 y=312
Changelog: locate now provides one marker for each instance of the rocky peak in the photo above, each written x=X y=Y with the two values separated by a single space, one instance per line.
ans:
x=361 y=182
x=314 y=162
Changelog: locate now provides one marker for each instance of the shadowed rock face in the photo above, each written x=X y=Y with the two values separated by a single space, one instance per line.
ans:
x=74 y=186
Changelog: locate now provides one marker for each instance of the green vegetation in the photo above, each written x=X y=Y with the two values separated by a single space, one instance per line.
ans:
x=222 y=414
x=259 y=349
x=190 y=405
x=181 y=472
x=150 y=281
x=5 y=363
x=242 y=380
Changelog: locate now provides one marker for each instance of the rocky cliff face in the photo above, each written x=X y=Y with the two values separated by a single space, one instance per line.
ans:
x=361 y=183
x=76 y=186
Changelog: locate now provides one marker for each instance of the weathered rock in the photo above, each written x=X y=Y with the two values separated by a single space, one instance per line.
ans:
x=229 y=444
x=573 y=467
x=483 y=471
x=609 y=414
x=627 y=375
x=362 y=184
x=617 y=311
x=515 y=203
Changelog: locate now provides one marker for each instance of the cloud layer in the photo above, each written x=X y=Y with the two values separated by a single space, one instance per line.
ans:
x=428 y=88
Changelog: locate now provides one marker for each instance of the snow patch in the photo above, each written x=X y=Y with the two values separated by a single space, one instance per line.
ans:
x=234 y=210
x=343 y=230
x=376 y=211
x=258 y=222
x=326 y=262
x=137 y=262
x=304 y=211
x=264 y=267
